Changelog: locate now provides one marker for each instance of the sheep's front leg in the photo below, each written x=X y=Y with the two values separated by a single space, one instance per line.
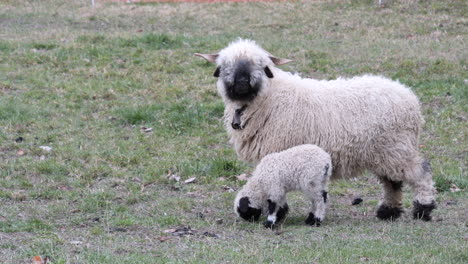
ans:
x=318 y=207
x=276 y=213
x=420 y=179
x=391 y=206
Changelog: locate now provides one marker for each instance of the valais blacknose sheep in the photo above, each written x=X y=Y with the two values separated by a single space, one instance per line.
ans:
x=305 y=168
x=364 y=123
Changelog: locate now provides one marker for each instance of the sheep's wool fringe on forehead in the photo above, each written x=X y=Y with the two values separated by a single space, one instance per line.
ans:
x=243 y=49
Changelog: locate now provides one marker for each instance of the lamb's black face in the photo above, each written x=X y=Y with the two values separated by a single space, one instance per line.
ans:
x=246 y=212
x=243 y=80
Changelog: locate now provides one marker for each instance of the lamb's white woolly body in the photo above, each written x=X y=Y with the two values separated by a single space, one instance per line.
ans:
x=305 y=168
x=364 y=123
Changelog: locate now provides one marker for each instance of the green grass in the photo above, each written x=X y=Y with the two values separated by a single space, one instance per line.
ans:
x=85 y=80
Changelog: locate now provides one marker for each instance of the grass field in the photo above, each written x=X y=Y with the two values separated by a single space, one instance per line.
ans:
x=87 y=82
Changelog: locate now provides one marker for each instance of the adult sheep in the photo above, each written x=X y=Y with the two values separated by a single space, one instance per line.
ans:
x=364 y=123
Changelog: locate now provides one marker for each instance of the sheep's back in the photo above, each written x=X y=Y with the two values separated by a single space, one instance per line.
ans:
x=351 y=119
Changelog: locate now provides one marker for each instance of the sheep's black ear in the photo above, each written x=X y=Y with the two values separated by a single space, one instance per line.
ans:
x=268 y=72
x=216 y=73
x=244 y=204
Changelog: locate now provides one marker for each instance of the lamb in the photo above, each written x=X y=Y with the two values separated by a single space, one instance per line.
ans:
x=365 y=123
x=305 y=168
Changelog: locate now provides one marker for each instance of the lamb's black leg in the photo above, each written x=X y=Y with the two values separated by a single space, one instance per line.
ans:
x=313 y=220
x=276 y=214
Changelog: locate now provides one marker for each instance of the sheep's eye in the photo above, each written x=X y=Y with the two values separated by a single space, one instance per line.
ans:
x=216 y=73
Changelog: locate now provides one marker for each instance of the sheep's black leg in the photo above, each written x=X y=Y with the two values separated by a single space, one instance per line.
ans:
x=424 y=190
x=317 y=214
x=276 y=214
x=391 y=208
x=423 y=211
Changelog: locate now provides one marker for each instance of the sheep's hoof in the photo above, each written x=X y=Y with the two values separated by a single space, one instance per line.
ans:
x=423 y=211
x=313 y=221
x=388 y=213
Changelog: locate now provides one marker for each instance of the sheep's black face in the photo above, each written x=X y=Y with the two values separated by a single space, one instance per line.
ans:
x=242 y=84
x=246 y=212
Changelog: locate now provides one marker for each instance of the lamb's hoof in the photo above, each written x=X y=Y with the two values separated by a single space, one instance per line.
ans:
x=423 y=211
x=313 y=221
x=269 y=224
x=388 y=213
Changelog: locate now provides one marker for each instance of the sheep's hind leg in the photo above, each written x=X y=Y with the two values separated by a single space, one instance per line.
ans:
x=318 y=208
x=391 y=207
x=276 y=214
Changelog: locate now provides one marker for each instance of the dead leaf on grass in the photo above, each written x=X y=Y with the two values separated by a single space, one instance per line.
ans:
x=18 y=196
x=46 y=148
x=228 y=189
x=164 y=238
x=172 y=230
x=136 y=179
x=242 y=177
x=173 y=176
x=454 y=188
x=180 y=231
x=37 y=260
x=117 y=229
x=209 y=234
x=146 y=129
x=190 y=180
x=40 y=260
x=64 y=188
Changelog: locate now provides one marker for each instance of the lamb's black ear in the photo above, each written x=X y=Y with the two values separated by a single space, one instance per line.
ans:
x=244 y=204
x=271 y=206
x=216 y=73
x=268 y=72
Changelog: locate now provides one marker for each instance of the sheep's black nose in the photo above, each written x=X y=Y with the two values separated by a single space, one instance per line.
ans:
x=242 y=79
x=236 y=125
x=242 y=86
